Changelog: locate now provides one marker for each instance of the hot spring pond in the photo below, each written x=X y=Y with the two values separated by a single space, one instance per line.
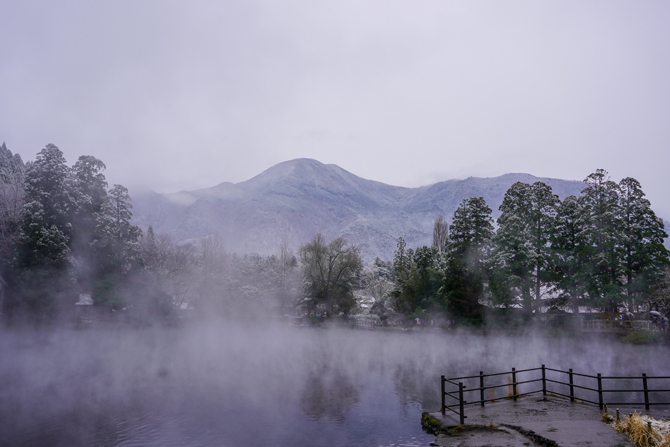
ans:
x=223 y=384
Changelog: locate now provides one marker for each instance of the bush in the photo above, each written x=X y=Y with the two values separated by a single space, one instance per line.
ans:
x=642 y=337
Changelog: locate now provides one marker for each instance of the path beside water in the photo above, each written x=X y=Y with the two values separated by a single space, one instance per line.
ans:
x=567 y=424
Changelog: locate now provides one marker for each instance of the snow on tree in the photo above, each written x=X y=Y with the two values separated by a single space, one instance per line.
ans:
x=47 y=183
x=330 y=271
x=601 y=224
x=521 y=257
x=116 y=240
x=468 y=252
x=116 y=245
x=43 y=254
x=12 y=200
x=570 y=250
x=643 y=255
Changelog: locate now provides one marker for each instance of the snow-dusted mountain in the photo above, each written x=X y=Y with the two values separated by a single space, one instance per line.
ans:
x=294 y=200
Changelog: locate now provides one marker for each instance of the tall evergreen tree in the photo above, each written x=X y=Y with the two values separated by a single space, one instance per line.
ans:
x=468 y=251
x=117 y=249
x=512 y=256
x=47 y=182
x=600 y=219
x=541 y=223
x=43 y=254
x=643 y=255
x=471 y=232
x=522 y=254
x=570 y=250
x=117 y=240
x=11 y=165
x=429 y=279
x=89 y=191
x=406 y=279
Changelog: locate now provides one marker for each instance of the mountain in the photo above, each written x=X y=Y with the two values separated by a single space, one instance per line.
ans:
x=294 y=200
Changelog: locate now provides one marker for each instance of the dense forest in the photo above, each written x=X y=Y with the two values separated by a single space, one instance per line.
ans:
x=601 y=251
x=66 y=238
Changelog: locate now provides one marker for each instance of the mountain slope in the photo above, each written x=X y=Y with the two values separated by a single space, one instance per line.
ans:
x=294 y=200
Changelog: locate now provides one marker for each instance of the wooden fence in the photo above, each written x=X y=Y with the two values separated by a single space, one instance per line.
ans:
x=631 y=390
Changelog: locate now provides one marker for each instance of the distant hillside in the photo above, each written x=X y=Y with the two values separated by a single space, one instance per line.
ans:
x=294 y=200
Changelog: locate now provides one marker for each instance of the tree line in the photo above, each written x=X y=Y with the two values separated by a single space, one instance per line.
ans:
x=63 y=229
x=64 y=232
x=602 y=250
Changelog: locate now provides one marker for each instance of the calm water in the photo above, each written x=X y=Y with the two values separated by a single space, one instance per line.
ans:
x=229 y=385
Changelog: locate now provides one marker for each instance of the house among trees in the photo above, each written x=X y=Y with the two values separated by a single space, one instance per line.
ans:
x=86 y=313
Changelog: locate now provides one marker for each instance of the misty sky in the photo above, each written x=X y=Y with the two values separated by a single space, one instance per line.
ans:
x=183 y=95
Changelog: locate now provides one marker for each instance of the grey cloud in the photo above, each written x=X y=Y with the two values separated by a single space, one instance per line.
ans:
x=186 y=95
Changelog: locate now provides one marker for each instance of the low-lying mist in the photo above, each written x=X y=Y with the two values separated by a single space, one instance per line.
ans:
x=225 y=383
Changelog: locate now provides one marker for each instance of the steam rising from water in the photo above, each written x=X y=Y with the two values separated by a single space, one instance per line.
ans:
x=229 y=384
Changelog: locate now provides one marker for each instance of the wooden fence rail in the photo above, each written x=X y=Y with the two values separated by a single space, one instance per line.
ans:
x=569 y=389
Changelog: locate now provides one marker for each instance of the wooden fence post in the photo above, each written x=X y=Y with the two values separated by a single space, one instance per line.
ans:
x=646 y=391
x=481 y=387
x=544 y=381
x=461 y=402
x=514 y=383
x=572 y=386
x=442 y=387
x=600 y=392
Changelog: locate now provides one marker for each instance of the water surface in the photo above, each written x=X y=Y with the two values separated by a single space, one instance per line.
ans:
x=234 y=385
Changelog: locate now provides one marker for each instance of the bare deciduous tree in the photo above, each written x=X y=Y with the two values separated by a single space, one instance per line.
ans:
x=12 y=199
x=212 y=265
x=330 y=272
x=659 y=298
x=172 y=264
x=285 y=284
x=440 y=233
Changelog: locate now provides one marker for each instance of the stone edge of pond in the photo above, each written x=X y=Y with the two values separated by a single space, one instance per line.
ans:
x=433 y=426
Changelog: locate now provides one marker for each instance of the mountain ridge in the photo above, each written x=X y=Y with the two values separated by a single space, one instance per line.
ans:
x=296 y=199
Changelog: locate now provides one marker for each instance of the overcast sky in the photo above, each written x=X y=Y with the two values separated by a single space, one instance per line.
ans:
x=184 y=95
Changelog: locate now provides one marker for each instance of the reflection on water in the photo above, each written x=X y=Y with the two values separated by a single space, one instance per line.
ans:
x=276 y=386
x=328 y=392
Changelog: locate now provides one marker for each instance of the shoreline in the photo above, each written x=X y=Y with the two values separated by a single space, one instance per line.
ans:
x=541 y=421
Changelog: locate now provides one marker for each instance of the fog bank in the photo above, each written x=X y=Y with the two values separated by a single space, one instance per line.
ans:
x=228 y=384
